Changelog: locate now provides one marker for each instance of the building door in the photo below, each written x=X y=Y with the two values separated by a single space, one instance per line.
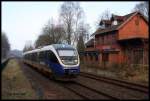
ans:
x=105 y=57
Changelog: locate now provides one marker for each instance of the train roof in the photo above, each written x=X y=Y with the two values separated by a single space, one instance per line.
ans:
x=63 y=46
x=32 y=51
x=48 y=47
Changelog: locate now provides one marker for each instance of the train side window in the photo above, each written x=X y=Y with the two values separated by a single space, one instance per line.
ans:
x=28 y=56
x=47 y=54
x=31 y=56
x=96 y=57
x=44 y=54
x=35 y=58
x=40 y=56
x=51 y=56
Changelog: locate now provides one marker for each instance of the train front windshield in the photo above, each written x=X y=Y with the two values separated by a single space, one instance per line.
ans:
x=68 y=57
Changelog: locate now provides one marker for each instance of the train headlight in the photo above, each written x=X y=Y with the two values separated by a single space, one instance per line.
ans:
x=64 y=61
x=75 y=61
x=70 y=61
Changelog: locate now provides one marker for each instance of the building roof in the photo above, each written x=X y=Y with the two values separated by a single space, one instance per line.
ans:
x=124 y=18
x=90 y=42
x=117 y=17
x=105 y=21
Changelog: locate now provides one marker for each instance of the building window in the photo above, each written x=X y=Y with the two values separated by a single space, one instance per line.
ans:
x=99 y=40
x=96 y=57
x=115 y=22
x=102 y=40
x=105 y=39
x=85 y=56
x=113 y=38
x=109 y=39
x=96 y=41
x=91 y=57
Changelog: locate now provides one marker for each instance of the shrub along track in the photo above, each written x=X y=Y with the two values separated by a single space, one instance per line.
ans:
x=130 y=85
x=88 y=86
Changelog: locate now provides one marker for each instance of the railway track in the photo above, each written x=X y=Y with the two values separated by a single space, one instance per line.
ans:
x=79 y=89
x=120 y=83
x=86 y=92
x=99 y=90
x=115 y=89
x=45 y=87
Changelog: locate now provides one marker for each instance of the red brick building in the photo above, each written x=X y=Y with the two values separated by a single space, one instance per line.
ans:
x=123 y=39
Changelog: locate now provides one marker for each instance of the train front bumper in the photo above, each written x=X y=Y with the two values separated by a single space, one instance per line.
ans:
x=71 y=71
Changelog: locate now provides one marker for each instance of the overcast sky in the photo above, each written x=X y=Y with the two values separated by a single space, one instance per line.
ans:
x=23 y=21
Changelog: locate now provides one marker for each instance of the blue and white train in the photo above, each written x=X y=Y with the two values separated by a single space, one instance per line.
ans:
x=61 y=60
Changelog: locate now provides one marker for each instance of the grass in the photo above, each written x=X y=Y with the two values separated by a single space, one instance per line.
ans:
x=133 y=73
x=15 y=85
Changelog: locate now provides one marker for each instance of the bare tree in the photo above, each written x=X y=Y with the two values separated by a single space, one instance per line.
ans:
x=28 y=46
x=83 y=31
x=70 y=26
x=72 y=15
x=43 y=40
x=5 y=45
x=80 y=44
x=143 y=7
x=67 y=13
x=52 y=33
x=106 y=15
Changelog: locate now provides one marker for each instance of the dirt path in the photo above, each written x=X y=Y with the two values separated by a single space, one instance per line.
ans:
x=15 y=85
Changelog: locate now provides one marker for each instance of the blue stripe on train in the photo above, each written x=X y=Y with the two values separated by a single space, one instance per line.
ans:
x=59 y=69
